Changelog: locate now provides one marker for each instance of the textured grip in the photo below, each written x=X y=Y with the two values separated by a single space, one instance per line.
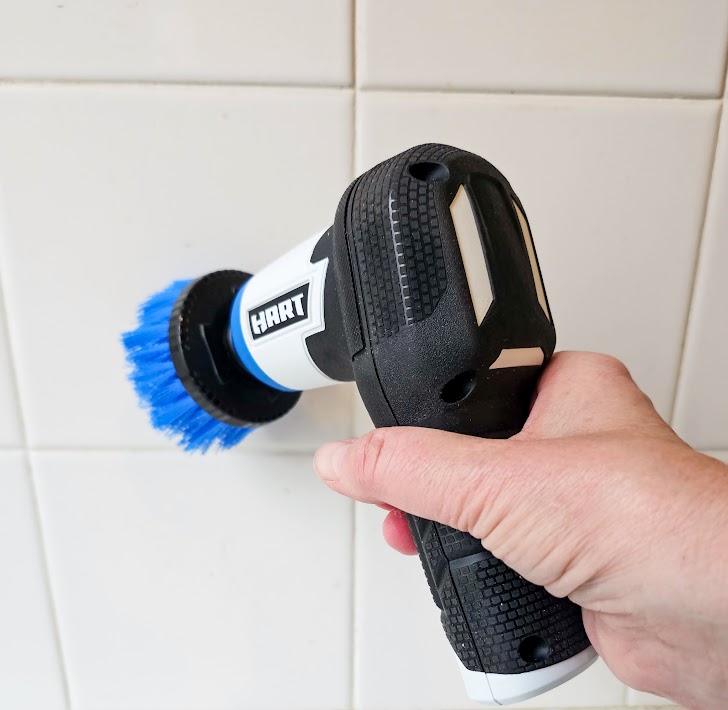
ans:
x=424 y=356
x=495 y=620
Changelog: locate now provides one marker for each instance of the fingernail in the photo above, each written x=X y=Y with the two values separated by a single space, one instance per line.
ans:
x=329 y=459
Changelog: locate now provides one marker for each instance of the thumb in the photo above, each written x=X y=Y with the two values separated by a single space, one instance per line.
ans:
x=430 y=473
x=513 y=495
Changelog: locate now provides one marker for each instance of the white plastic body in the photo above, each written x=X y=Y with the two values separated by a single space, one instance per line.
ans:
x=282 y=354
x=504 y=689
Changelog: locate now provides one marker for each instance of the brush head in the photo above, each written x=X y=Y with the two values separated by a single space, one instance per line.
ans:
x=171 y=408
x=184 y=370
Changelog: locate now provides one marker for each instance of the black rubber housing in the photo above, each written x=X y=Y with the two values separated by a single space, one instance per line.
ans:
x=420 y=358
x=204 y=359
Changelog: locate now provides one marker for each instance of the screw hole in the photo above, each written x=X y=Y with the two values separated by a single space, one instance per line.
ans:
x=533 y=649
x=429 y=172
x=459 y=387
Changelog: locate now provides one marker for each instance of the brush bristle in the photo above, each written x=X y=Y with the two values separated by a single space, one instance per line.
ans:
x=171 y=409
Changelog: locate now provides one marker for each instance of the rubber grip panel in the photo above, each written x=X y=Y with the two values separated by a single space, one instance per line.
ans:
x=396 y=233
x=495 y=620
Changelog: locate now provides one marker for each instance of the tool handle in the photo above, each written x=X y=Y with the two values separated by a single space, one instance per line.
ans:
x=449 y=327
x=495 y=620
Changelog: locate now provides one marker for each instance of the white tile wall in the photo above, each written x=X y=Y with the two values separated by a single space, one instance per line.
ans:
x=187 y=583
x=614 y=189
x=634 y=47
x=701 y=412
x=10 y=426
x=140 y=186
x=121 y=169
x=30 y=668
x=278 y=41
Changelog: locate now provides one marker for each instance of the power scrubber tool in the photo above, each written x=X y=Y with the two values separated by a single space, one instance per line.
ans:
x=427 y=292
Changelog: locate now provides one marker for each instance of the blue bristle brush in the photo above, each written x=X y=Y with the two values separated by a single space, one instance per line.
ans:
x=191 y=367
x=152 y=372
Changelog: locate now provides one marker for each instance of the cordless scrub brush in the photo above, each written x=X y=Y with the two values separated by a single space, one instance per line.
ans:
x=427 y=292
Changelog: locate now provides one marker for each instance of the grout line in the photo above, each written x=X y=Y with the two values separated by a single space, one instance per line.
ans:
x=497 y=92
x=354 y=645
x=725 y=74
x=241 y=449
x=354 y=641
x=237 y=452
x=696 y=268
x=355 y=136
x=354 y=45
x=49 y=586
x=355 y=80
x=169 y=83
x=33 y=489
x=333 y=88
x=625 y=695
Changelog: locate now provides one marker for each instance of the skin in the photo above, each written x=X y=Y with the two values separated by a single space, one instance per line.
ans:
x=596 y=499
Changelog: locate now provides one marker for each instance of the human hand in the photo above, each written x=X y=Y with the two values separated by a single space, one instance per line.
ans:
x=596 y=499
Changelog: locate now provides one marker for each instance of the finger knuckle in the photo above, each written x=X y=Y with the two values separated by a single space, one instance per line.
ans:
x=608 y=365
x=568 y=363
x=368 y=458
x=567 y=368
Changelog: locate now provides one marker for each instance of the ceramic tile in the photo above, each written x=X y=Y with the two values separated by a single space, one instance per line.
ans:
x=111 y=194
x=403 y=659
x=636 y=697
x=319 y=416
x=362 y=421
x=10 y=428
x=30 y=671
x=614 y=190
x=193 y=583
x=643 y=47
x=279 y=41
x=701 y=410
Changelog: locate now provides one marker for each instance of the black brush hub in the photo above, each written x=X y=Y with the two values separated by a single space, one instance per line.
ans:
x=199 y=339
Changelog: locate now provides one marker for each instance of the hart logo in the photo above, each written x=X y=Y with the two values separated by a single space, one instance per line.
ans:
x=290 y=308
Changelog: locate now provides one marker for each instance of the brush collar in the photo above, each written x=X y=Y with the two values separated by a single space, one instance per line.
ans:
x=205 y=360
